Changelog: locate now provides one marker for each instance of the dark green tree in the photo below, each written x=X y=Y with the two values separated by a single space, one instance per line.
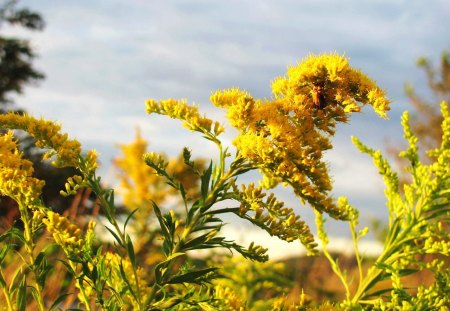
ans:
x=16 y=55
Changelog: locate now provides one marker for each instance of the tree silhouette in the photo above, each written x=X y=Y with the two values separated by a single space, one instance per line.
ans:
x=16 y=55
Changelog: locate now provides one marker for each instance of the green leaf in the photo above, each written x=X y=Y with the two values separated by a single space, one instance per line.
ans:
x=34 y=293
x=130 y=250
x=205 y=180
x=405 y=272
x=125 y=279
x=68 y=267
x=42 y=267
x=59 y=300
x=162 y=223
x=194 y=208
x=182 y=191
x=116 y=237
x=160 y=270
x=15 y=276
x=39 y=259
x=3 y=252
x=18 y=234
x=379 y=292
x=173 y=256
x=197 y=242
x=128 y=218
x=190 y=277
x=22 y=294
x=2 y=281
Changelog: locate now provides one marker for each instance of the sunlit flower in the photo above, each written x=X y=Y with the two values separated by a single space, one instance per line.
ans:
x=286 y=136
x=16 y=180
x=138 y=183
x=66 y=234
x=178 y=109
x=47 y=135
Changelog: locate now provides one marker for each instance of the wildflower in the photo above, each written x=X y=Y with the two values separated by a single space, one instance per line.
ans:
x=65 y=233
x=16 y=179
x=178 y=109
x=136 y=178
x=285 y=137
x=47 y=135
x=272 y=216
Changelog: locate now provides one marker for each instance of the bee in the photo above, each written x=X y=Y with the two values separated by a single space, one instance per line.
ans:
x=318 y=96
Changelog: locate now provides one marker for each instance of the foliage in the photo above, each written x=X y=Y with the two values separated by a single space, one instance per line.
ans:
x=283 y=138
x=418 y=226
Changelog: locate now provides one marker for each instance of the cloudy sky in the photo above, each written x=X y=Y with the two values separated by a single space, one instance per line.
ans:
x=104 y=58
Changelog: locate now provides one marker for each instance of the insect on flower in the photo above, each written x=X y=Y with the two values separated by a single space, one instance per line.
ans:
x=318 y=96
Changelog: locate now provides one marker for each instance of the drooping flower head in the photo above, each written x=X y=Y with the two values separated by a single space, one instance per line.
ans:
x=286 y=136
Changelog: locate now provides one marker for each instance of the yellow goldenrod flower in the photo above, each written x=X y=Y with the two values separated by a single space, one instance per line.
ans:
x=179 y=109
x=286 y=136
x=47 y=135
x=138 y=183
x=16 y=179
x=66 y=234
x=274 y=217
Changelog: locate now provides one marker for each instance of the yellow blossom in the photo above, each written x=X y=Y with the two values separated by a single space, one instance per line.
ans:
x=47 y=135
x=65 y=233
x=285 y=137
x=138 y=184
x=273 y=216
x=179 y=109
x=16 y=179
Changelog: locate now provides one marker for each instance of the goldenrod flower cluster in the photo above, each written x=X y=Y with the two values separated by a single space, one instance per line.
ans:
x=137 y=180
x=47 y=135
x=286 y=136
x=179 y=109
x=66 y=234
x=330 y=77
x=272 y=216
x=16 y=179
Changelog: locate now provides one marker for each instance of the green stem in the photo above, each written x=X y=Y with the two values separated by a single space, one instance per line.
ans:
x=355 y=247
x=138 y=290
x=6 y=293
x=385 y=257
x=79 y=278
x=337 y=271
x=109 y=209
x=210 y=199
x=29 y=248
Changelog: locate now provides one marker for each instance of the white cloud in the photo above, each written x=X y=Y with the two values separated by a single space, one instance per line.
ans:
x=104 y=58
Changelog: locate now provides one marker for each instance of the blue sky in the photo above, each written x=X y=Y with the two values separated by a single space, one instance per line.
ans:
x=104 y=58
